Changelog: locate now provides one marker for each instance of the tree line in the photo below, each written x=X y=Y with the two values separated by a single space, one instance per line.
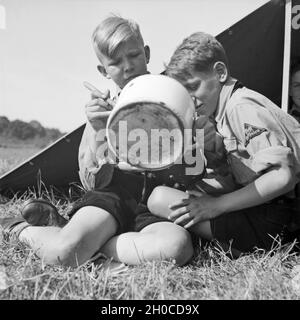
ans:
x=27 y=131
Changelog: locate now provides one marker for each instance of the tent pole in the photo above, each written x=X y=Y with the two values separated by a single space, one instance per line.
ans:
x=286 y=56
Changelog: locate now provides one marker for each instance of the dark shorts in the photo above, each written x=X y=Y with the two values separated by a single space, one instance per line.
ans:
x=124 y=195
x=251 y=228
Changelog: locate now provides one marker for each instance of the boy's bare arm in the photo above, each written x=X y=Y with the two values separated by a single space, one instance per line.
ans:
x=277 y=181
x=198 y=207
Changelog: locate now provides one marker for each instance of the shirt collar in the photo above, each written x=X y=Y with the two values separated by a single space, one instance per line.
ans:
x=225 y=95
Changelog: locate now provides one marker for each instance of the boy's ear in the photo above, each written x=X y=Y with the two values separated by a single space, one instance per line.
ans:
x=147 y=53
x=221 y=70
x=102 y=70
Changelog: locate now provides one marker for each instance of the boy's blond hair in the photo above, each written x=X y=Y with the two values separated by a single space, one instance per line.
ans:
x=198 y=52
x=113 y=31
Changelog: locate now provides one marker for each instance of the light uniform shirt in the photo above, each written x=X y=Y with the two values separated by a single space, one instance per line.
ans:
x=90 y=161
x=218 y=178
x=257 y=134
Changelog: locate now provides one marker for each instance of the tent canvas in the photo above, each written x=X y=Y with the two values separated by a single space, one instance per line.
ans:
x=258 y=47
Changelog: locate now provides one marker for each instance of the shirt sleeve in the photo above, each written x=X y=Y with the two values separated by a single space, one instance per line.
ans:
x=258 y=133
x=89 y=158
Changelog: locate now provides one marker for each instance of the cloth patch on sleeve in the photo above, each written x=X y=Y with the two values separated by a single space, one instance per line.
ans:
x=251 y=132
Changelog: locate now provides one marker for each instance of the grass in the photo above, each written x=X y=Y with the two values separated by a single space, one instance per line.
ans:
x=211 y=275
x=11 y=156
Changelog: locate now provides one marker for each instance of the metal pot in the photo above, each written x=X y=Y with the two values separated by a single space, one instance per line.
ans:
x=151 y=113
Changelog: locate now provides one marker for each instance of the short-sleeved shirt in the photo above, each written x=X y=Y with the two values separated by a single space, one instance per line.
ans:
x=256 y=133
x=218 y=178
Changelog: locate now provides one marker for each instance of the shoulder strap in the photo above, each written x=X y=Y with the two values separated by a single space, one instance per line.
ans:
x=237 y=85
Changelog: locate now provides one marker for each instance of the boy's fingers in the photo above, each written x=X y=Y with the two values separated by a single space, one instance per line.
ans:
x=190 y=224
x=91 y=103
x=179 y=204
x=194 y=193
x=93 y=109
x=98 y=102
x=105 y=95
x=111 y=103
x=97 y=94
x=178 y=213
x=107 y=103
x=183 y=219
x=101 y=114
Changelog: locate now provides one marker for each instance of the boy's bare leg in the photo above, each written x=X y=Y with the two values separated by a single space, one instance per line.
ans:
x=157 y=241
x=162 y=197
x=76 y=242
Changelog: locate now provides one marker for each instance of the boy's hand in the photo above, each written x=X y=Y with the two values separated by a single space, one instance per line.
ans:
x=198 y=207
x=99 y=107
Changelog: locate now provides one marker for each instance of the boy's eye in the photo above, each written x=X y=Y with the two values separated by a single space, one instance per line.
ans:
x=192 y=86
x=114 y=62
x=134 y=54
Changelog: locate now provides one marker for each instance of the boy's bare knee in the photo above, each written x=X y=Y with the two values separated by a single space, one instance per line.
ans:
x=180 y=248
x=155 y=201
x=176 y=246
x=169 y=242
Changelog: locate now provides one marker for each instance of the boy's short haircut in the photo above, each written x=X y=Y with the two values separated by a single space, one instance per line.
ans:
x=113 y=31
x=198 y=52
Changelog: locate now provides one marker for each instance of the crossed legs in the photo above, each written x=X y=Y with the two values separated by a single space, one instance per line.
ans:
x=157 y=241
x=92 y=229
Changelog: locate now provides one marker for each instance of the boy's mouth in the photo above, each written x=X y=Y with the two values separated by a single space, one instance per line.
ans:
x=198 y=107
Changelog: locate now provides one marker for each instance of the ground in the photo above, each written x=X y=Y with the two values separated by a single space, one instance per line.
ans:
x=211 y=275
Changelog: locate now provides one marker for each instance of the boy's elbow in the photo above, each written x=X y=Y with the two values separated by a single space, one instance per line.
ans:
x=287 y=178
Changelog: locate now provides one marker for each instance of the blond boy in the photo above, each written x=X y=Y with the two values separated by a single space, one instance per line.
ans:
x=111 y=217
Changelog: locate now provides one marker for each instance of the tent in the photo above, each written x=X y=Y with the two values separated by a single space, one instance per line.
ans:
x=259 y=48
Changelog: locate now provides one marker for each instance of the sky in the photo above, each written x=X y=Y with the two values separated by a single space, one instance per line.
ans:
x=46 y=51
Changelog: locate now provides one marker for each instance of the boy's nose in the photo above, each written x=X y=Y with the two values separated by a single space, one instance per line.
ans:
x=197 y=102
x=127 y=65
